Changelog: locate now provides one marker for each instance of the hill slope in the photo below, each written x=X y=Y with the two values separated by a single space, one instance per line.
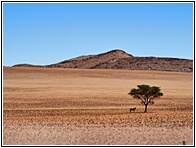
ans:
x=118 y=59
x=92 y=61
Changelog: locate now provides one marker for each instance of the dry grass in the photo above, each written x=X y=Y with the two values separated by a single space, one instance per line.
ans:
x=94 y=102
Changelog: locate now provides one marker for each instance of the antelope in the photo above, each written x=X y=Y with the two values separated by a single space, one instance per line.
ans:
x=132 y=109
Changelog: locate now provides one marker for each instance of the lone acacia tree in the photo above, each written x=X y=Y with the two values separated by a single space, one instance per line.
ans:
x=146 y=94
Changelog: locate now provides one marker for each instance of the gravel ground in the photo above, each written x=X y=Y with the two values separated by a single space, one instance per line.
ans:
x=75 y=133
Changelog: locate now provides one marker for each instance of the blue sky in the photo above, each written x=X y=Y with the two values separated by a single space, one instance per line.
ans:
x=46 y=33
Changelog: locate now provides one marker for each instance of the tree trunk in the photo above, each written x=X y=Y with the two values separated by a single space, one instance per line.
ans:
x=146 y=105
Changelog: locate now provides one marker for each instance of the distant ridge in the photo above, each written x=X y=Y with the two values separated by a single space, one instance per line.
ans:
x=119 y=59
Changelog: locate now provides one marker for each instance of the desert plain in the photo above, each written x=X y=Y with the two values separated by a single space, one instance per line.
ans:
x=58 y=106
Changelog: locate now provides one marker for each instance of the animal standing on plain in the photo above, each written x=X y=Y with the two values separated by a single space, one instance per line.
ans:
x=132 y=109
x=146 y=94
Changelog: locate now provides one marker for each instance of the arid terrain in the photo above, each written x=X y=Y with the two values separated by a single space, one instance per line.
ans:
x=119 y=59
x=57 y=106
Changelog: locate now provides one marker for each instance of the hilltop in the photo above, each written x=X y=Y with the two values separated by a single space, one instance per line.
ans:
x=119 y=59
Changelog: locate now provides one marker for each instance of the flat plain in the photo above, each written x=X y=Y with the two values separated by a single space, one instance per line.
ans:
x=57 y=106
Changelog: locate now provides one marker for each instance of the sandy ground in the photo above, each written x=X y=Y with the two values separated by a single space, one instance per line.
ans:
x=62 y=133
x=54 y=106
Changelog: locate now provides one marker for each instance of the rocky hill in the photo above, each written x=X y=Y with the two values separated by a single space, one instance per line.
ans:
x=118 y=59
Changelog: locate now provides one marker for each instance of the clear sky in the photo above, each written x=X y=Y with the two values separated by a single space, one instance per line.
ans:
x=46 y=33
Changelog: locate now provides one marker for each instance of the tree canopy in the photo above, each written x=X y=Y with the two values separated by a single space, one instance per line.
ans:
x=146 y=94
